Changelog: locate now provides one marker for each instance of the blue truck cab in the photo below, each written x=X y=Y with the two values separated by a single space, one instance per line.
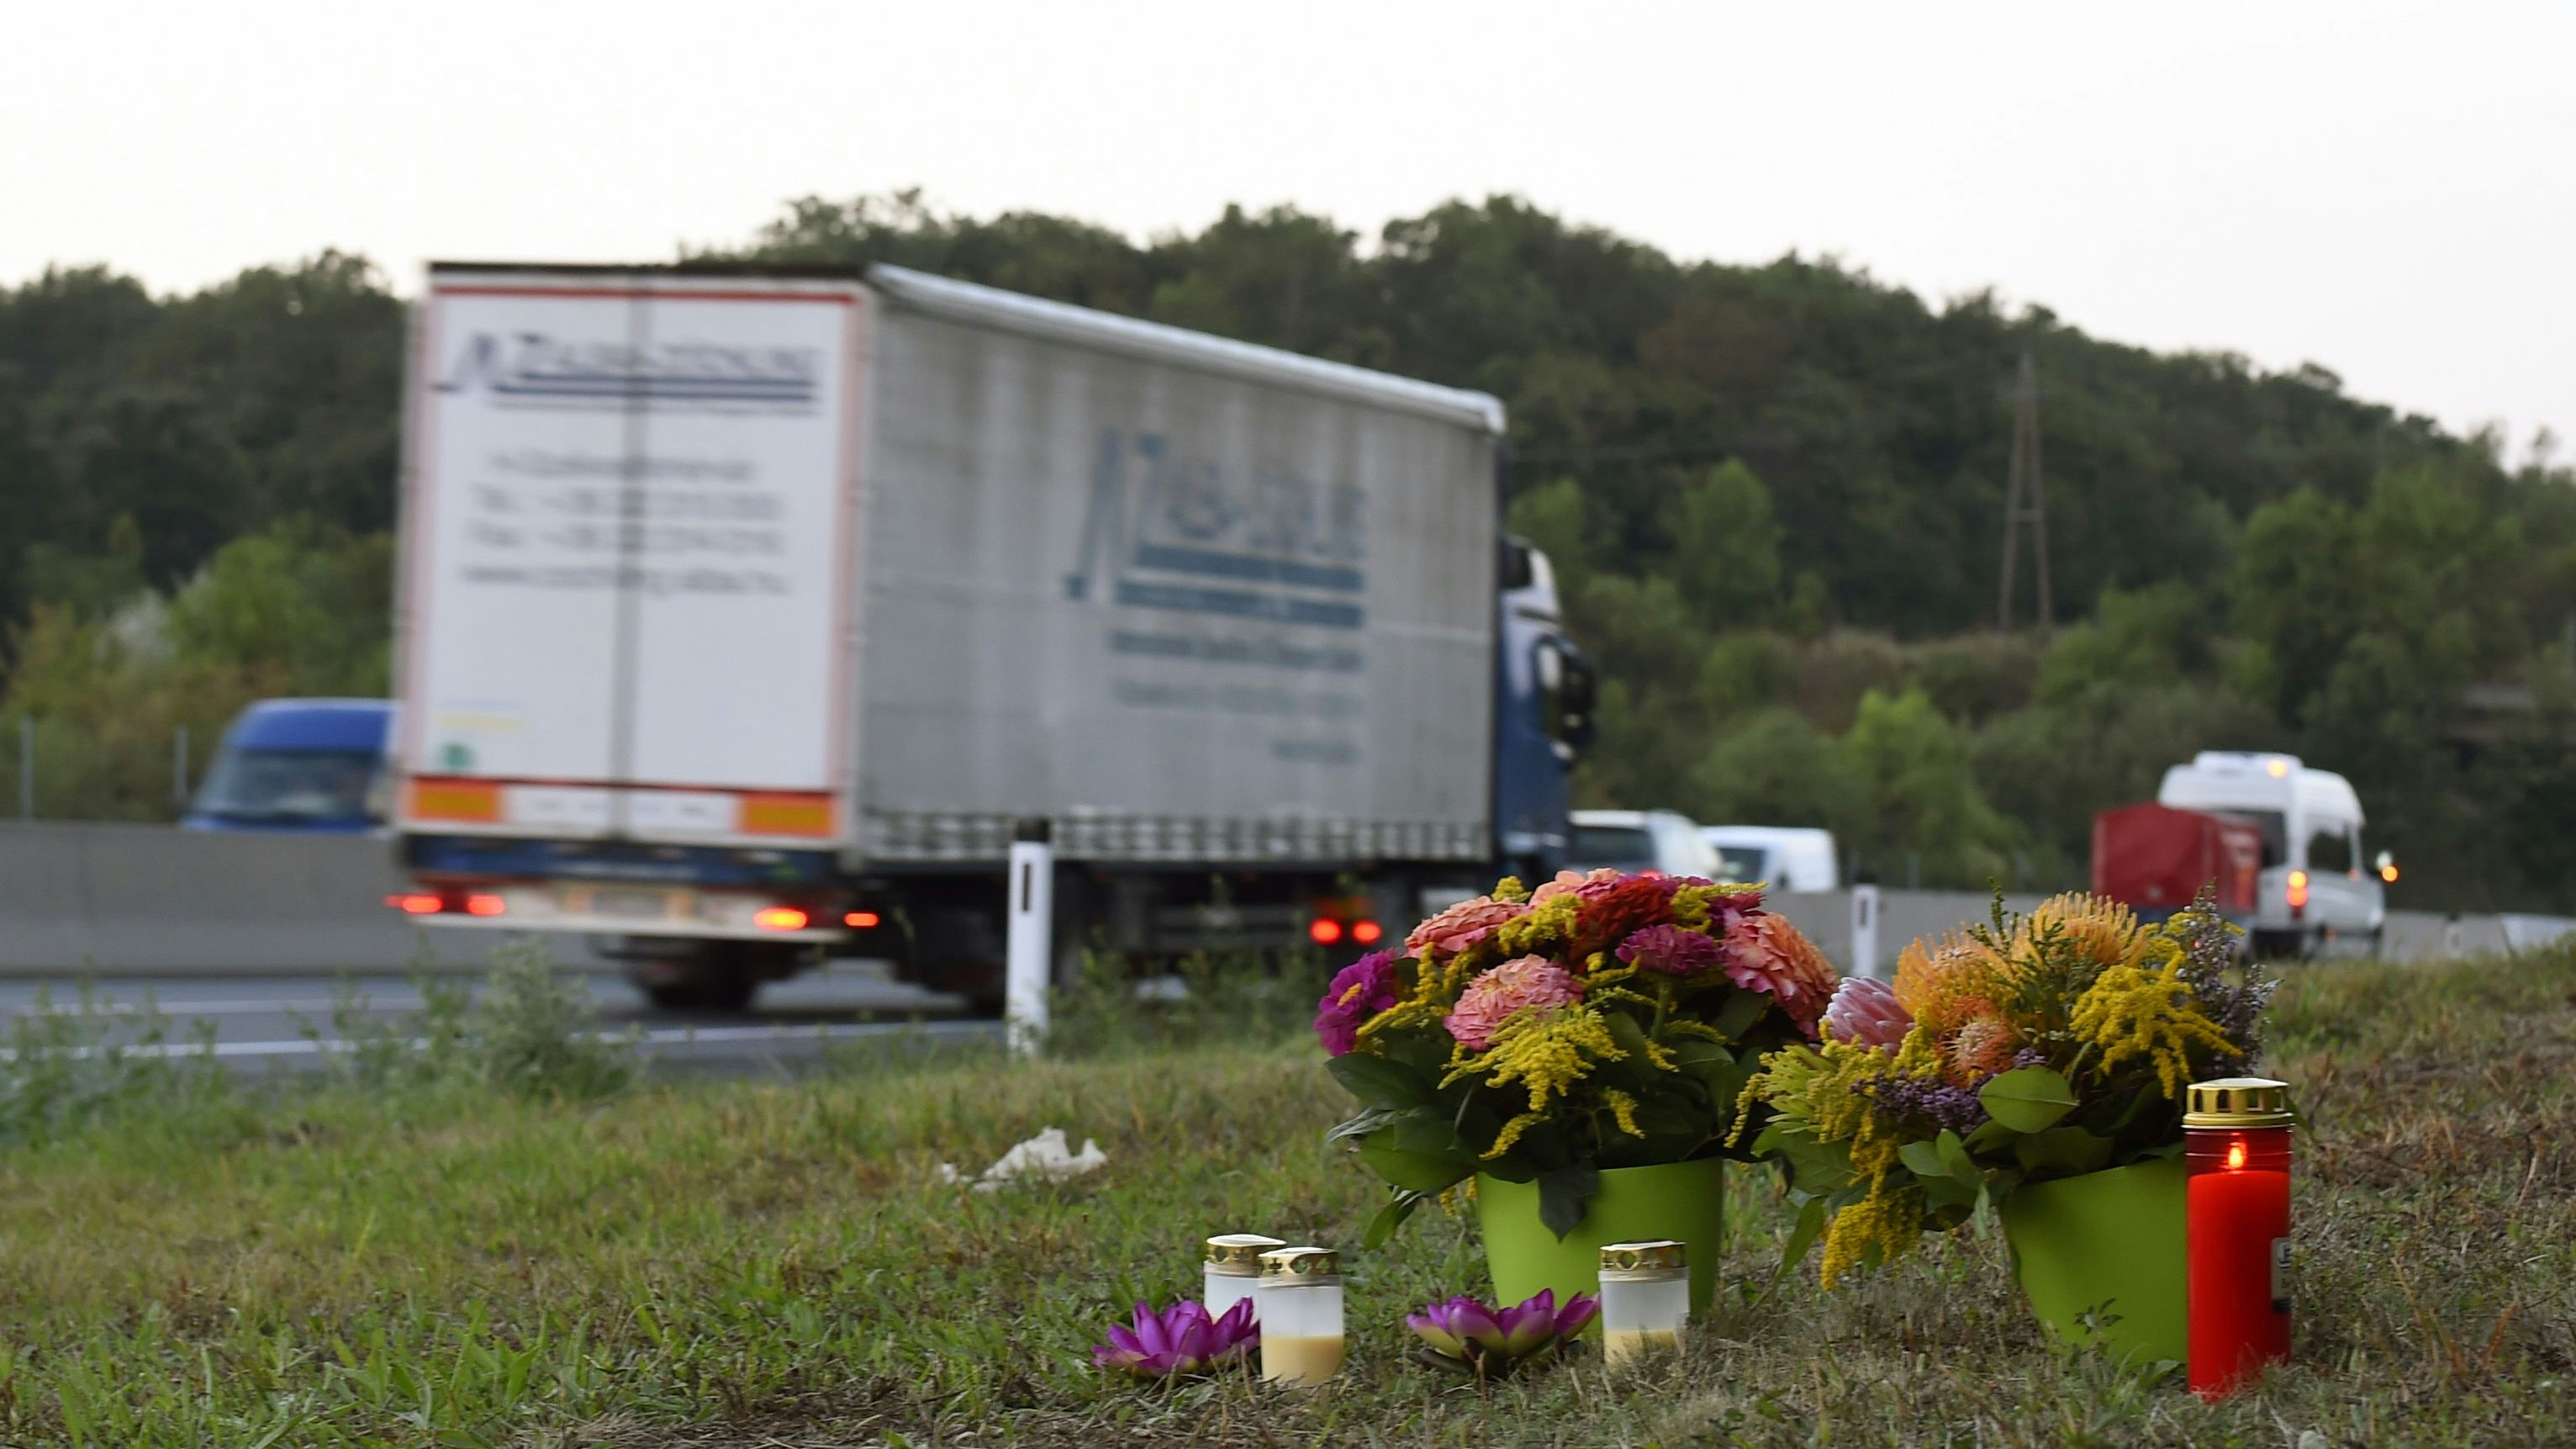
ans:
x=1543 y=717
x=314 y=766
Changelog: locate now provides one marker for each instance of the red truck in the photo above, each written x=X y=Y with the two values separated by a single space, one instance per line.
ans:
x=2154 y=859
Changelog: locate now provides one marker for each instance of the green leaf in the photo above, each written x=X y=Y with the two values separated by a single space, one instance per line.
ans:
x=1366 y=1122
x=1425 y=1129
x=1564 y=1196
x=1378 y=1082
x=1698 y=1055
x=1416 y=1171
x=2063 y=1151
x=2026 y=1099
x=1922 y=1159
x=1740 y=1012
x=1814 y=1166
x=1954 y=1158
x=1993 y=1134
x=1626 y=1034
x=1391 y=1217
x=1726 y=1088
x=1802 y=1238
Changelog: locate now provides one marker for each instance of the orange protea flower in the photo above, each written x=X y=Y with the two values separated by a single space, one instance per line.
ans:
x=1951 y=984
x=2105 y=932
x=1980 y=1049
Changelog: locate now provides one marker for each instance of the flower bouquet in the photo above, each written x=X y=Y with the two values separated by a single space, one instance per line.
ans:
x=1599 y=1022
x=2041 y=1047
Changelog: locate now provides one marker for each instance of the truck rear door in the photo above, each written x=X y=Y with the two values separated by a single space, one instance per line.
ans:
x=628 y=520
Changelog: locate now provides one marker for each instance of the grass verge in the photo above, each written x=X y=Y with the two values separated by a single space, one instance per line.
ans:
x=527 y=1248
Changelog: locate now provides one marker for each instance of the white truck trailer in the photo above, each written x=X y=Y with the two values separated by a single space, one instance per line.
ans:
x=745 y=615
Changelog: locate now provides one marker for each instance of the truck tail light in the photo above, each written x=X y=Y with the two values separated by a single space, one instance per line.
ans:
x=416 y=904
x=1367 y=932
x=483 y=905
x=2298 y=891
x=862 y=920
x=1324 y=931
x=2388 y=873
x=780 y=918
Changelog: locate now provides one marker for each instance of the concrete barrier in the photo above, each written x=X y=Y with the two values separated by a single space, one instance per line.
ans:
x=148 y=900
x=1825 y=917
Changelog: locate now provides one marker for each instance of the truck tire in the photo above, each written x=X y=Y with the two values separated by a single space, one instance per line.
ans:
x=2279 y=945
x=719 y=976
x=711 y=991
x=959 y=950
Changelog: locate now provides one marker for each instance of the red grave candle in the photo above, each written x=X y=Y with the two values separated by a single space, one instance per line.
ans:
x=2236 y=1137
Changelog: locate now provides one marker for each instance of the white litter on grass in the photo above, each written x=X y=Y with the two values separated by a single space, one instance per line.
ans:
x=1046 y=1157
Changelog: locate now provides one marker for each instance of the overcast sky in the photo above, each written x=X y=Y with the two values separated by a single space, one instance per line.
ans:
x=2387 y=190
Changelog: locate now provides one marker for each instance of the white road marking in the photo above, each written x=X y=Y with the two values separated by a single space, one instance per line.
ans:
x=667 y=1036
x=181 y=1010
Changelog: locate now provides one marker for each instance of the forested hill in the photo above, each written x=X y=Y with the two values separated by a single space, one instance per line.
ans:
x=1775 y=492
x=1880 y=423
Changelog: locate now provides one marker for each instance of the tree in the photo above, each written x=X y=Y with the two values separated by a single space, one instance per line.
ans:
x=1726 y=558
x=1774 y=768
x=1920 y=795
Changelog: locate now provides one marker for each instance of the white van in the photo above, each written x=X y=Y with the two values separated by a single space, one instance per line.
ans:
x=1783 y=857
x=1639 y=840
x=2317 y=895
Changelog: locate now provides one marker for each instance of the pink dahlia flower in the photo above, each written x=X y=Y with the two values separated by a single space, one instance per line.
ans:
x=1769 y=955
x=1865 y=1010
x=1359 y=991
x=1575 y=882
x=1461 y=926
x=1516 y=985
x=1671 y=951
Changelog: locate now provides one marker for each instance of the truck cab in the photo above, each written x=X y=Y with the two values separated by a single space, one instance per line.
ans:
x=315 y=766
x=1544 y=701
x=2316 y=893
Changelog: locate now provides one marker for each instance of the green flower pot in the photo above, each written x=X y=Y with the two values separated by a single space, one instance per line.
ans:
x=1683 y=1201
x=2108 y=1244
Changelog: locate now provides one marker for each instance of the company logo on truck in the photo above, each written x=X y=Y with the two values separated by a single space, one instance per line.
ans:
x=539 y=370
x=1171 y=530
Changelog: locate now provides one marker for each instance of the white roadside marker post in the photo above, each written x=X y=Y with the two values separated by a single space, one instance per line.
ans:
x=1864 y=930
x=1032 y=912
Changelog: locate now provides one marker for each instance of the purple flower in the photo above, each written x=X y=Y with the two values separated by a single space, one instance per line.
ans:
x=1865 y=1010
x=1178 y=1340
x=1491 y=1341
x=1930 y=1099
x=1671 y=951
x=1359 y=991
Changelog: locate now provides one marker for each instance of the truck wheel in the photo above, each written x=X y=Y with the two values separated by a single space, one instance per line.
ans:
x=2278 y=945
x=719 y=976
x=728 y=992
x=959 y=951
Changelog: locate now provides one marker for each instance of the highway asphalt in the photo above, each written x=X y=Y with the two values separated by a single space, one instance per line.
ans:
x=266 y=1023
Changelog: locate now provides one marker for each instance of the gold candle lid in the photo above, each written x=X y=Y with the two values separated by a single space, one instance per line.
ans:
x=1655 y=1258
x=1293 y=1264
x=1240 y=1252
x=2237 y=1102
